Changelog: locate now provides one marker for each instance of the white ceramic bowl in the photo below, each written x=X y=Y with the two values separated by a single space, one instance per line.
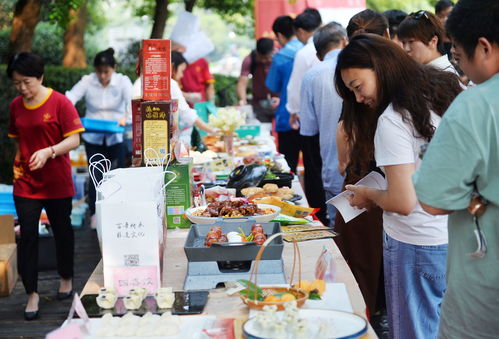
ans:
x=211 y=220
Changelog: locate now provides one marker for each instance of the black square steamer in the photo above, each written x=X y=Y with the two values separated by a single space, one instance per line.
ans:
x=209 y=267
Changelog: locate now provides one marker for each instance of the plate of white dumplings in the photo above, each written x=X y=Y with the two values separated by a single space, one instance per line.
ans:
x=294 y=323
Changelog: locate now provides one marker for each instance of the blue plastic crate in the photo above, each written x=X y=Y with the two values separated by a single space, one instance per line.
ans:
x=8 y=210
x=6 y=196
x=101 y=126
x=7 y=205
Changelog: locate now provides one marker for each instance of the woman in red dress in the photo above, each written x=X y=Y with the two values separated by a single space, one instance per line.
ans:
x=45 y=126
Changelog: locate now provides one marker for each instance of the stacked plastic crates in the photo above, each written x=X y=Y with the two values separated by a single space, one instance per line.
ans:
x=7 y=200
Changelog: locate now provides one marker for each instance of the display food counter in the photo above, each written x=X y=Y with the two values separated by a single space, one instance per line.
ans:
x=224 y=306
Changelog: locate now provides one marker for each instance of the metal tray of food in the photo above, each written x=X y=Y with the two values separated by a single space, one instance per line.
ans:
x=188 y=302
x=195 y=249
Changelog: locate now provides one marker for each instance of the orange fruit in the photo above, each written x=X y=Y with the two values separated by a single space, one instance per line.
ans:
x=288 y=297
x=304 y=285
x=319 y=285
x=272 y=298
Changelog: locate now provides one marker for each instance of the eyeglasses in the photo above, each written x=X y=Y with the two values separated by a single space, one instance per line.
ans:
x=417 y=15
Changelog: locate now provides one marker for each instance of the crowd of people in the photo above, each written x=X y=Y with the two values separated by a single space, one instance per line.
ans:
x=389 y=94
x=413 y=97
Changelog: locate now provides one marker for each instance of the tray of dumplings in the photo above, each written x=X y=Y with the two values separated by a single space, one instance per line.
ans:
x=138 y=302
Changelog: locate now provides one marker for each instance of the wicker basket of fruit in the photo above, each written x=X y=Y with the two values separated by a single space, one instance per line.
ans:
x=257 y=297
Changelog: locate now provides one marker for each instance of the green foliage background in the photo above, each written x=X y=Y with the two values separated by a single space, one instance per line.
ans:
x=62 y=79
x=404 y=5
x=48 y=43
x=57 y=77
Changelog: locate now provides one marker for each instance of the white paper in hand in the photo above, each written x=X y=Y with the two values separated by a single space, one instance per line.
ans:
x=342 y=204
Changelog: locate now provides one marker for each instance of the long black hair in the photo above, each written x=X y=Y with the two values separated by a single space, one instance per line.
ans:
x=413 y=89
x=177 y=59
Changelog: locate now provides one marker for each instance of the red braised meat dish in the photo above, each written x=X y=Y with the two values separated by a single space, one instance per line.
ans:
x=237 y=208
x=215 y=235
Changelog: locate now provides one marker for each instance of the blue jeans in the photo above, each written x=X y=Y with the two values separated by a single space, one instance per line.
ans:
x=414 y=287
x=331 y=210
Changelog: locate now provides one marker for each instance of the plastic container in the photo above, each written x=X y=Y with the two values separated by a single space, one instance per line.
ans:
x=284 y=180
x=76 y=220
x=248 y=130
x=79 y=182
x=78 y=215
x=7 y=205
x=101 y=126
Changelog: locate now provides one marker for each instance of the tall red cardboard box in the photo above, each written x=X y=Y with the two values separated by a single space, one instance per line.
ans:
x=8 y=255
x=156 y=70
x=155 y=116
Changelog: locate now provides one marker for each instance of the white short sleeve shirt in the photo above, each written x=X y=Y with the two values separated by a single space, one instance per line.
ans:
x=396 y=142
x=305 y=59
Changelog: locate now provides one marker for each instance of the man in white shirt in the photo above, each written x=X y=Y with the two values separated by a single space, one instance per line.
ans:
x=305 y=25
x=321 y=106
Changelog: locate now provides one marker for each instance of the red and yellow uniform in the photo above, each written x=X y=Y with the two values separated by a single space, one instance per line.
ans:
x=196 y=78
x=38 y=127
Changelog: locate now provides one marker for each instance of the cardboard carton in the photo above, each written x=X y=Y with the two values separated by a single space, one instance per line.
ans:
x=137 y=133
x=159 y=130
x=8 y=255
x=8 y=268
x=7 y=235
x=179 y=193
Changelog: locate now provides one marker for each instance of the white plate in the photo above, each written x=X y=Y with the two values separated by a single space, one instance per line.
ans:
x=211 y=220
x=191 y=327
x=343 y=325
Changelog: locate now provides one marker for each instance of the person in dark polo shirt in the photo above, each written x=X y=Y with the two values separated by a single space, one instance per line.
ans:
x=257 y=64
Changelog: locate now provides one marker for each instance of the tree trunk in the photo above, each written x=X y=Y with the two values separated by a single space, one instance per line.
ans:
x=26 y=17
x=74 y=51
x=189 y=5
x=160 y=16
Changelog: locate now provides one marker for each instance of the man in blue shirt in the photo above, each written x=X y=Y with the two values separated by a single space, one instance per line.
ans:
x=277 y=81
x=320 y=106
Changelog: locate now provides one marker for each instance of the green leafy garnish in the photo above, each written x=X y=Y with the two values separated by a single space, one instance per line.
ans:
x=251 y=293
x=244 y=236
x=314 y=296
x=270 y=176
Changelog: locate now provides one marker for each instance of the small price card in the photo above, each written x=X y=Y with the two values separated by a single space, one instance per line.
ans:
x=126 y=278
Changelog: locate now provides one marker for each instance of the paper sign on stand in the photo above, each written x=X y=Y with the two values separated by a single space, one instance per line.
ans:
x=342 y=204
x=126 y=278
x=129 y=239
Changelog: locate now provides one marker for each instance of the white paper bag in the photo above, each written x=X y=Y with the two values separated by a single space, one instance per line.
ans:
x=130 y=240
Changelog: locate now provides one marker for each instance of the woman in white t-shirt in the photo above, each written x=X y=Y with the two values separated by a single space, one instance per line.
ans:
x=392 y=106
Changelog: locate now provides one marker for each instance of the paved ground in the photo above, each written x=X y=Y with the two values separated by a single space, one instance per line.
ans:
x=52 y=311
